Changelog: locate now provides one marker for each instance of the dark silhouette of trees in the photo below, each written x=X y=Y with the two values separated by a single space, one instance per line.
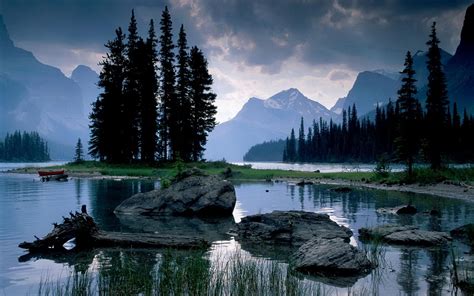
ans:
x=149 y=97
x=78 y=152
x=289 y=153
x=168 y=115
x=185 y=142
x=436 y=104
x=131 y=93
x=203 y=110
x=270 y=151
x=21 y=147
x=409 y=118
x=140 y=117
x=301 y=142
x=108 y=117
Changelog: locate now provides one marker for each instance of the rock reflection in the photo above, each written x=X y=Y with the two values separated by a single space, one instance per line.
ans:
x=211 y=229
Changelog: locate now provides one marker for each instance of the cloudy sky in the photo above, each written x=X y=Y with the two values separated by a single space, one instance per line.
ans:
x=254 y=47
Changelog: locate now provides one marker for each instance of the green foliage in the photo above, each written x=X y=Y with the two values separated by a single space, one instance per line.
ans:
x=78 y=152
x=382 y=168
x=407 y=142
x=436 y=104
x=24 y=147
x=267 y=151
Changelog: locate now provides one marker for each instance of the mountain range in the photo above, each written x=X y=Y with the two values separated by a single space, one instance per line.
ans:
x=39 y=97
x=36 y=96
x=232 y=139
x=260 y=120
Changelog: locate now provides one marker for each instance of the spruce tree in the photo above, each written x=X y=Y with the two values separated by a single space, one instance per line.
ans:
x=292 y=147
x=107 y=117
x=185 y=136
x=301 y=142
x=436 y=104
x=132 y=95
x=407 y=142
x=149 y=104
x=78 y=152
x=168 y=125
x=203 y=110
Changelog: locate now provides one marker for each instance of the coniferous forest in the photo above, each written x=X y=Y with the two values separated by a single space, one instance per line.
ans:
x=24 y=147
x=156 y=102
x=402 y=131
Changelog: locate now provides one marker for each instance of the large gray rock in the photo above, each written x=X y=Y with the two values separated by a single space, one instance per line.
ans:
x=331 y=257
x=404 y=235
x=191 y=193
x=290 y=228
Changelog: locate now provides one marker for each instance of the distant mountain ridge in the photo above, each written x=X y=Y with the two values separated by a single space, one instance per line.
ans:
x=39 y=97
x=263 y=120
x=378 y=86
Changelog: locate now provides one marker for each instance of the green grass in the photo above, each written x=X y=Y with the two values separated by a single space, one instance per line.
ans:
x=428 y=176
x=168 y=170
x=175 y=273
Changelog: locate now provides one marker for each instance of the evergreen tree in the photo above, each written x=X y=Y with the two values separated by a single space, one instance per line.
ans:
x=301 y=142
x=107 y=117
x=24 y=146
x=148 y=92
x=185 y=137
x=436 y=104
x=291 y=150
x=407 y=142
x=203 y=110
x=132 y=95
x=78 y=152
x=168 y=124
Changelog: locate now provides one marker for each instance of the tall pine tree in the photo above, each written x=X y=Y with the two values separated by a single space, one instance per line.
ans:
x=107 y=117
x=168 y=125
x=408 y=140
x=132 y=95
x=203 y=109
x=149 y=104
x=185 y=137
x=301 y=143
x=436 y=103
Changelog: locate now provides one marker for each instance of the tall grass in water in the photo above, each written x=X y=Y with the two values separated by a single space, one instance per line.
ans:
x=462 y=275
x=176 y=273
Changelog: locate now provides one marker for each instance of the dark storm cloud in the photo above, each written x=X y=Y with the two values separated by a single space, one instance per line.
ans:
x=359 y=34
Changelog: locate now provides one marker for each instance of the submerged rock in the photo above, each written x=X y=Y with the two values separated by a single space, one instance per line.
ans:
x=191 y=193
x=331 y=257
x=464 y=233
x=304 y=182
x=400 y=210
x=290 y=228
x=343 y=189
x=404 y=235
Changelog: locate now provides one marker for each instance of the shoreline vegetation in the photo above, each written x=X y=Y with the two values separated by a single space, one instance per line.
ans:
x=449 y=182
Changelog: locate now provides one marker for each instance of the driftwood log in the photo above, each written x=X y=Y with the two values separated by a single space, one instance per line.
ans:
x=86 y=233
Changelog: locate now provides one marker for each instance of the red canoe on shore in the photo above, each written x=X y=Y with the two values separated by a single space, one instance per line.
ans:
x=50 y=173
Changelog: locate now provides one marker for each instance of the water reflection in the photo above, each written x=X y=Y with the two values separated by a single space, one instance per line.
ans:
x=106 y=195
x=28 y=207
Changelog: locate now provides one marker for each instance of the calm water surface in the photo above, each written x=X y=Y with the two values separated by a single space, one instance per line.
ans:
x=28 y=207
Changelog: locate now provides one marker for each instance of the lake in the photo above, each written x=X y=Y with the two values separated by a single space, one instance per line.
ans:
x=28 y=207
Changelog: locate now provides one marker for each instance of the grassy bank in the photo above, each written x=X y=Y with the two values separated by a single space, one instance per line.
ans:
x=167 y=170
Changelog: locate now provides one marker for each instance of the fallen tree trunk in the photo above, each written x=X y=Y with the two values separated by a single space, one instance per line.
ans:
x=82 y=227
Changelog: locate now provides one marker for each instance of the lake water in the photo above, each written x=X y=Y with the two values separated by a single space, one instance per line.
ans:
x=28 y=207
